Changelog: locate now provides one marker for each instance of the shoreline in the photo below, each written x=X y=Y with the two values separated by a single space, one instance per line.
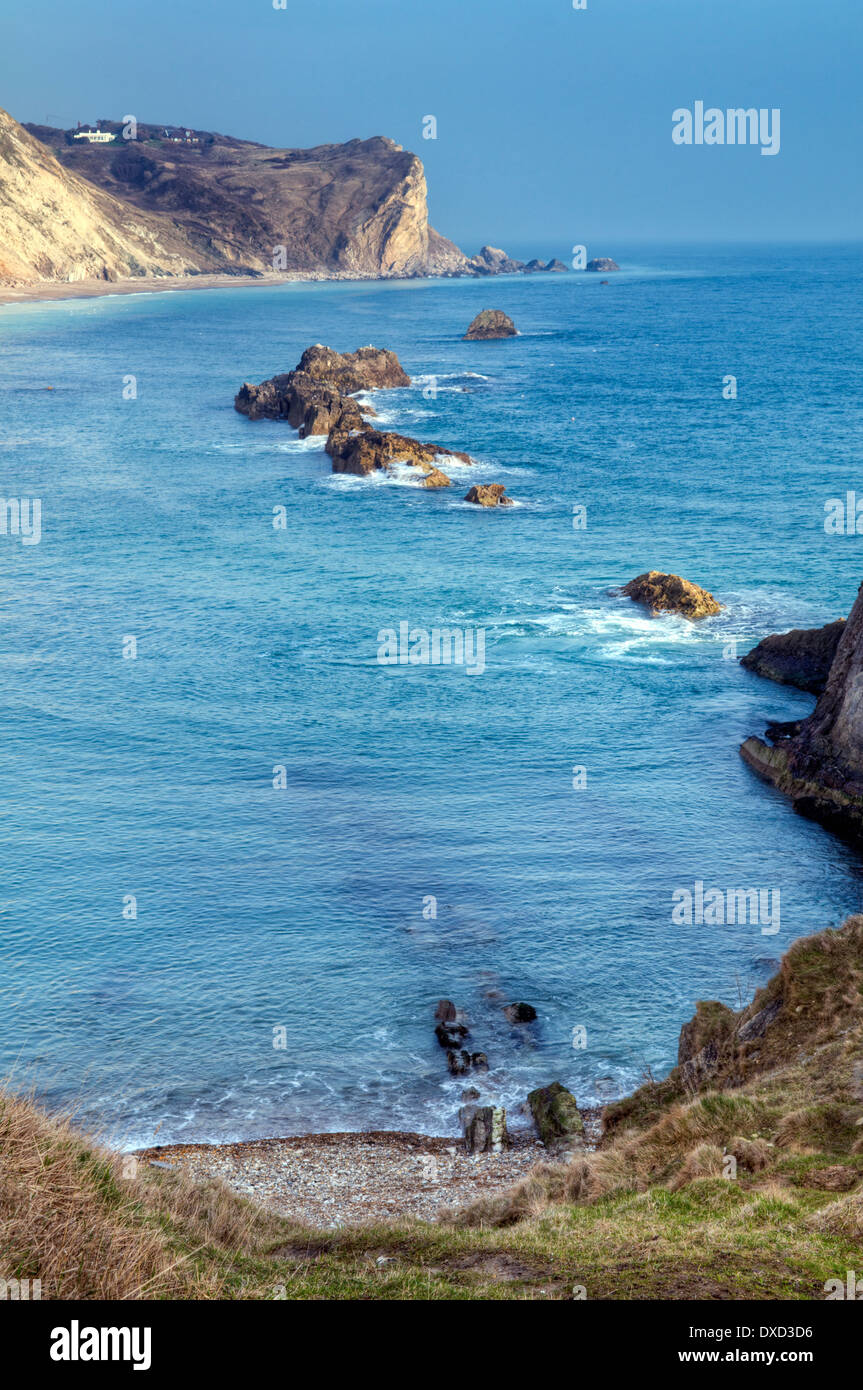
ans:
x=47 y=291
x=356 y=1178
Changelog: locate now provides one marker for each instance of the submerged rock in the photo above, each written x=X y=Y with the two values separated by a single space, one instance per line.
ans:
x=820 y=766
x=450 y=1034
x=602 y=263
x=668 y=593
x=458 y=1061
x=802 y=657
x=520 y=1013
x=491 y=323
x=488 y=495
x=556 y=1116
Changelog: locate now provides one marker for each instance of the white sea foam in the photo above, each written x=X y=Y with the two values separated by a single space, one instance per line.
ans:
x=514 y=505
x=436 y=378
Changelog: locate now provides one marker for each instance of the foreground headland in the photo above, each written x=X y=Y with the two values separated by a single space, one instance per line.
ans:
x=738 y=1176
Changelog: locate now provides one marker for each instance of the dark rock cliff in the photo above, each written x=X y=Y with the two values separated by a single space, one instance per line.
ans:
x=818 y=762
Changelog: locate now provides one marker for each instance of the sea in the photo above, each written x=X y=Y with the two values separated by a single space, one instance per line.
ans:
x=243 y=856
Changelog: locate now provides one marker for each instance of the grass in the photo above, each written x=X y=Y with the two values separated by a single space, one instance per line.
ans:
x=749 y=1187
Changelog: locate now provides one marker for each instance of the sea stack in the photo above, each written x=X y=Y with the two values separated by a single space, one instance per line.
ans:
x=602 y=263
x=491 y=323
x=488 y=495
x=668 y=593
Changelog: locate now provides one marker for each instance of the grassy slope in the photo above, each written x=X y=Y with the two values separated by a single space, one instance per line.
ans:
x=648 y=1216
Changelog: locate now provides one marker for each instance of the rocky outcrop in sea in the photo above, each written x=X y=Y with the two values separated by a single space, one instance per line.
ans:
x=802 y=657
x=491 y=323
x=668 y=593
x=317 y=398
x=488 y=495
x=492 y=261
x=818 y=761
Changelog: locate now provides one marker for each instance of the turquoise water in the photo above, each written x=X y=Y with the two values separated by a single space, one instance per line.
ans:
x=302 y=907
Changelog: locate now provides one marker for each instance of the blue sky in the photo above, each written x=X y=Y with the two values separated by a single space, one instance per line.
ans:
x=554 y=125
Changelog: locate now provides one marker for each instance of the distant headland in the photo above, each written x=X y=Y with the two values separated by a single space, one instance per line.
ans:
x=124 y=201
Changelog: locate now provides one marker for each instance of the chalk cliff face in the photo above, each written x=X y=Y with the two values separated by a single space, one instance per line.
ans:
x=818 y=762
x=56 y=226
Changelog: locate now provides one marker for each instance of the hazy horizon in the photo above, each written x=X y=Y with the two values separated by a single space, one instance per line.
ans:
x=546 y=116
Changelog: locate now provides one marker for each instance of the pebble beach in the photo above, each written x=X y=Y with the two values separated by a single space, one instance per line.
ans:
x=325 y=1181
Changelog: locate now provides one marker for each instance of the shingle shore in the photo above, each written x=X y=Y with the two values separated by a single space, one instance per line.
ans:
x=327 y=1180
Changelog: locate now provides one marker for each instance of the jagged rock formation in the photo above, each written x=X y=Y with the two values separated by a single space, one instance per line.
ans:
x=818 y=762
x=367 y=369
x=492 y=261
x=488 y=495
x=307 y=405
x=55 y=226
x=668 y=593
x=491 y=323
x=366 y=451
x=802 y=657
x=602 y=263
x=314 y=399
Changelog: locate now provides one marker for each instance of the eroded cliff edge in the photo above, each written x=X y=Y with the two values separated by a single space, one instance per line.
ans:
x=818 y=761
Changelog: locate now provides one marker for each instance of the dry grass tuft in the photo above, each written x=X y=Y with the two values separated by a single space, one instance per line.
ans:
x=792 y=1092
x=91 y=1224
x=841 y=1218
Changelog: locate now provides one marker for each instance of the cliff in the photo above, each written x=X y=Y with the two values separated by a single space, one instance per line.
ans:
x=818 y=761
x=221 y=205
x=357 y=209
x=802 y=657
x=55 y=225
